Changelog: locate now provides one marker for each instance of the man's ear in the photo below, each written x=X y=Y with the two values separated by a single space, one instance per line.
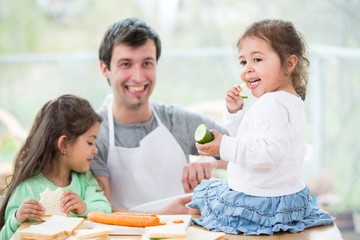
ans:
x=291 y=62
x=61 y=144
x=105 y=71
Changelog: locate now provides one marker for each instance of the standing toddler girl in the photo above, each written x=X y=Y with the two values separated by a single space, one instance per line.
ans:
x=265 y=192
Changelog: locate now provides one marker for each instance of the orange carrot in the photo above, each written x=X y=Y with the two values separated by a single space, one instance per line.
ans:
x=135 y=214
x=178 y=221
x=127 y=219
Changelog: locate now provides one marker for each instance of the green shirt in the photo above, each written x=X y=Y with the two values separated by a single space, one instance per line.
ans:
x=84 y=184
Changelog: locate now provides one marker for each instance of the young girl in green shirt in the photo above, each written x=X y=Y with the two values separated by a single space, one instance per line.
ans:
x=56 y=154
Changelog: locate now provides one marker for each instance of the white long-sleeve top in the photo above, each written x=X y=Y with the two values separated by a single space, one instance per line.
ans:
x=266 y=146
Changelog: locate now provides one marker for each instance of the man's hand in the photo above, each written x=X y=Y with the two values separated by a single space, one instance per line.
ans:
x=195 y=172
x=176 y=207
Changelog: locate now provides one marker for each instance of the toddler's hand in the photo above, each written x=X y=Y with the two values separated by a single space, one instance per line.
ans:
x=29 y=209
x=211 y=148
x=71 y=202
x=233 y=101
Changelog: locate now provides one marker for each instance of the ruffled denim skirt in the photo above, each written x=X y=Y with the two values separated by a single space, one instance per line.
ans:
x=223 y=209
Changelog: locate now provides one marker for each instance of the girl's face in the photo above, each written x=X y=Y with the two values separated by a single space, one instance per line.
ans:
x=261 y=67
x=82 y=151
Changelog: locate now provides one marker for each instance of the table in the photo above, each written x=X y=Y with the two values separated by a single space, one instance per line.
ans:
x=328 y=232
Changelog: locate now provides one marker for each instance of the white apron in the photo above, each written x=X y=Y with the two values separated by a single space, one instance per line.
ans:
x=146 y=173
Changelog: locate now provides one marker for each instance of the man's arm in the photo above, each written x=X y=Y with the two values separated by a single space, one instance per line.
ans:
x=182 y=124
x=194 y=172
x=176 y=207
x=105 y=185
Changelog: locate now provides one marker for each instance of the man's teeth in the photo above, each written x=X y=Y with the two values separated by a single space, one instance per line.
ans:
x=136 y=89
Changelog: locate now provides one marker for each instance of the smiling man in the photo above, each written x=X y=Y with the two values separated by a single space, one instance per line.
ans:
x=143 y=147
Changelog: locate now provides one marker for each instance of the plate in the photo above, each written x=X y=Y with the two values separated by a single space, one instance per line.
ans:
x=158 y=204
x=137 y=231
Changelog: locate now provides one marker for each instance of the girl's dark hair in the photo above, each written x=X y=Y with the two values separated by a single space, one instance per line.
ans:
x=285 y=40
x=130 y=31
x=66 y=115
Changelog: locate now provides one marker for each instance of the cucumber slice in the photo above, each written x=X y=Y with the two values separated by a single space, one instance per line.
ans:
x=202 y=134
x=242 y=86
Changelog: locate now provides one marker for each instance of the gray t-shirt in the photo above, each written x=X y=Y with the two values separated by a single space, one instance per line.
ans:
x=180 y=122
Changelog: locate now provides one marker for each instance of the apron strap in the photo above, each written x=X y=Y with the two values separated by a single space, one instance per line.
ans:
x=111 y=124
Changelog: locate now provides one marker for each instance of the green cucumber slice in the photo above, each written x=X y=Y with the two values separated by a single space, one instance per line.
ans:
x=242 y=86
x=202 y=134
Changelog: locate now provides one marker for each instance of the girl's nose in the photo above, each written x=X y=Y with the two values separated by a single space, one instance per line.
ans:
x=248 y=68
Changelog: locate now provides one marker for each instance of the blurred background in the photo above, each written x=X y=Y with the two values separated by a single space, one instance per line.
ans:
x=49 y=48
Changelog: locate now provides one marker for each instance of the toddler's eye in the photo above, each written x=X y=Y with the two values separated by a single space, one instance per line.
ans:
x=257 y=60
x=242 y=63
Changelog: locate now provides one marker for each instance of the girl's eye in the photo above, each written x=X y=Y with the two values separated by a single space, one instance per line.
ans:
x=257 y=60
x=242 y=63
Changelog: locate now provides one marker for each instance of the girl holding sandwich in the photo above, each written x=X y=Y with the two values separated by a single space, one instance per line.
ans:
x=56 y=154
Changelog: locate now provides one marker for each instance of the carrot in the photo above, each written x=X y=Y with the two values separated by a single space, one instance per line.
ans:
x=135 y=214
x=124 y=219
x=178 y=221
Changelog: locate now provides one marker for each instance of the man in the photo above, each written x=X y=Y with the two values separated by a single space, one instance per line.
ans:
x=143 y=147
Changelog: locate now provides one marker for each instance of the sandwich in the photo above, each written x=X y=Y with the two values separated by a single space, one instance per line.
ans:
x=55 y=228
x=95 y=233
x=169 y=232
x=180 y=232
x=51 y=201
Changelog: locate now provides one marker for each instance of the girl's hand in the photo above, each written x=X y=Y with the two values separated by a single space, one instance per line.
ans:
x=233 y=101
x=29 y=209
x=71 y=202
x=211 y=148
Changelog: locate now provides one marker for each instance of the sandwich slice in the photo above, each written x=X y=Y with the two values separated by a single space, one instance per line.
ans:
x=92 y=233
x=195 y=233
x=168 y=232
x=51 y=201
x=55 y=228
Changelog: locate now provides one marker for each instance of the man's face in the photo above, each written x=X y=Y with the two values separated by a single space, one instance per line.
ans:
x=132 y=73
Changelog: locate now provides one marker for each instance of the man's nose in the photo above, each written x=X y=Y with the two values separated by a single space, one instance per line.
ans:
x=137 y=73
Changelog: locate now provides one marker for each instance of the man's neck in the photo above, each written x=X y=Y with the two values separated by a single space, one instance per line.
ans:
x=125 y=115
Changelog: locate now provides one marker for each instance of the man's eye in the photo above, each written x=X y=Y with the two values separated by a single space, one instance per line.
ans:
x=125 y=65
x=148 y=64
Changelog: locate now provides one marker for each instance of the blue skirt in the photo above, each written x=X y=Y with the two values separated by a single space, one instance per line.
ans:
x=225 y=210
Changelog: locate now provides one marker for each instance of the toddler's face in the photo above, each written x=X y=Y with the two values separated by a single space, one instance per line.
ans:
x=261 y=67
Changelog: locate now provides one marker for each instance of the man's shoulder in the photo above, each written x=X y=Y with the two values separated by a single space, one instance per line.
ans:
x=102 y=112
x=171 y=112
x=168 y=109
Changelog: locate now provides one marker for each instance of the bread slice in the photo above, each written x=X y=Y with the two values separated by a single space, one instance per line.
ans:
x=57 y=227
x=51 y=201
x=39 y=232
x=172 y=231
x=195 y=233
x=92 y=233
